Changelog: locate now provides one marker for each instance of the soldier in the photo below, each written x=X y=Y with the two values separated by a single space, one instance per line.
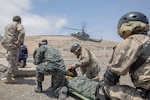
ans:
x=88 y=63
x=48 y=59
x=131 y=55
x=13 y=38
x=23 y=54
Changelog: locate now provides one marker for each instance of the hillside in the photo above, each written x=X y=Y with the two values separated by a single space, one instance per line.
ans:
x=63 y=43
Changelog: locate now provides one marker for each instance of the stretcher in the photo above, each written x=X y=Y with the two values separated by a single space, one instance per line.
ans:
x=82 y=87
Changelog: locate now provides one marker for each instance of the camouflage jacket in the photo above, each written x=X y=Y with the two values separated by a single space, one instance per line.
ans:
x=51 y=56
x=88 y=61
x=14 y=33
x=34 y=53
x=125 y=54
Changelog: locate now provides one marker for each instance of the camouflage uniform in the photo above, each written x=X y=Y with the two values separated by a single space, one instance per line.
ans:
x=48 y=59
x=34 y=53
x=125 y=54
x=14 y=34
x=88 y=64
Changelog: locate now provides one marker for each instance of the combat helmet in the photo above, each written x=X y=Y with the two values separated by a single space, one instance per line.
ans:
x=75 y=47
x=44 y=41
x=17 y=18
x=133 y=16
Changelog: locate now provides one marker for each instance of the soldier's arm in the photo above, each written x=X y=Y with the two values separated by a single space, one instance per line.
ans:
x=39 y=55
x=34 y=53
x=21 y=35
x=124 y=55
x=84 y=61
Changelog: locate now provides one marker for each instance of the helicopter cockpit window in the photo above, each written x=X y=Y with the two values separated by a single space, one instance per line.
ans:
x=76 y=32
x=79 y=33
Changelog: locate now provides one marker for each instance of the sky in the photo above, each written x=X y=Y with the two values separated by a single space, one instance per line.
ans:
x=50 y=17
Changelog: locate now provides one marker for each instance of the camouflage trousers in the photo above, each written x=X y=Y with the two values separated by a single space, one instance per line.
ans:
x=91 y=73
x=12 y=58
x=120 y=92
x=58 y=76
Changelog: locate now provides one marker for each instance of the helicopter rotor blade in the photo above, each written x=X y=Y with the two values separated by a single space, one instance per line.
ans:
x=83 y=26
x=73 y=28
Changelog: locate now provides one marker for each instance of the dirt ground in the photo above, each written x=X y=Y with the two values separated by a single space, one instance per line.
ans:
x=24 y=90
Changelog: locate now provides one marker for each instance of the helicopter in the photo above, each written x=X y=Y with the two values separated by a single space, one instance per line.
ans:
x=82 y=35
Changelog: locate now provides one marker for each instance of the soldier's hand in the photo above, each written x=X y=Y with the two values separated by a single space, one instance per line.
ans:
x=73 y=66
x=17 y=44
x=71 y=72
x=34 y=63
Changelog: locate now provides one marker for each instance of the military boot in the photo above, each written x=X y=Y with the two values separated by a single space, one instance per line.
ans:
x=10 y=80
x=39 y=89
x=62 y=93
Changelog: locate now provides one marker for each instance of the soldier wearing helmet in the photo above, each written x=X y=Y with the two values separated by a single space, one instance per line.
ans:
x=17 y=19
x=87 y=63
x=48 y=59
x=130 y=56
x=44 y=41
x=76 y=49
x=13 y=38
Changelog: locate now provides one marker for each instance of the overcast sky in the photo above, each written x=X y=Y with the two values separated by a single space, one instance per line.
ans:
x=49 y=17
